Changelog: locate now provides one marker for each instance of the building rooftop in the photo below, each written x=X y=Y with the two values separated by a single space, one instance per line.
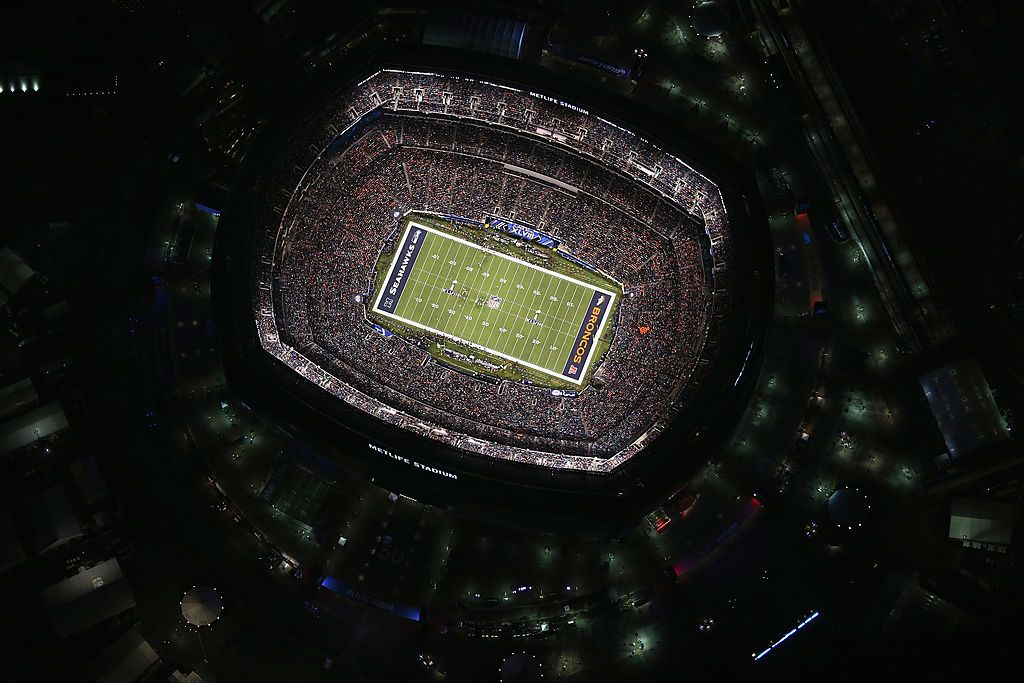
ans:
x=125 y=660
x=16 y=396
x=89 y=597
x=964 y=407
x=981 y=521
x=32 y=426
x=11 y=551
x=14 y=272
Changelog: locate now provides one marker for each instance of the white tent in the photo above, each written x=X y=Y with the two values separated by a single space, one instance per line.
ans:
x=201 y=606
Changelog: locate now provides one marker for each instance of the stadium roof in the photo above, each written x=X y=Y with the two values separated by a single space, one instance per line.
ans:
x=964 y=407
x=53 y=520
x=38 y=424
x=14 y=272
x=125 y=660
x=981 y=521
x=15 y=396
x=87 y=598
x=11 y=552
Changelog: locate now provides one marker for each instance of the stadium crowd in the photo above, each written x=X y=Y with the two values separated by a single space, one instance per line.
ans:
x=401 y=142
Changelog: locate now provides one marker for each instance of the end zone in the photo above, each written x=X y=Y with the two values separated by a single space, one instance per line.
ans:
x=589 y=332
x=405 y=258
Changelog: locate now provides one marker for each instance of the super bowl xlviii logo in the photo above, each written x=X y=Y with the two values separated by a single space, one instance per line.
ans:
x=522 y=232
x=493 y=302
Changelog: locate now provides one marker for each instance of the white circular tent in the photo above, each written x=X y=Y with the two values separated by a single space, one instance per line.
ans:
x=201 y=605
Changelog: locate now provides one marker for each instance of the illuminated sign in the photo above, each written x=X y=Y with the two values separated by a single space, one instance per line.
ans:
x=567 y=105
x=412 y=463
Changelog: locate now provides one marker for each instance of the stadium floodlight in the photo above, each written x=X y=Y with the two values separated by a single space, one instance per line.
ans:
x=24 y=87
x=35 y=86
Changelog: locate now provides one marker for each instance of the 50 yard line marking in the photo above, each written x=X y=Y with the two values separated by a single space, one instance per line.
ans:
x=511 y=275
x=492 y=316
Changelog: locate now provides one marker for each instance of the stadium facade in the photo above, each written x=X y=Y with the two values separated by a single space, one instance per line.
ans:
x=519 y=160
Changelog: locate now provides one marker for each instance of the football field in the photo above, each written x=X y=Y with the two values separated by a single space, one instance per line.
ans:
x=510 y=308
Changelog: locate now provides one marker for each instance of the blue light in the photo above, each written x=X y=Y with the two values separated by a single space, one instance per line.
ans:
x=783 y=638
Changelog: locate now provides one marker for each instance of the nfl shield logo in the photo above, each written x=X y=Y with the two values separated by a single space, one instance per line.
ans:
x=494 y=302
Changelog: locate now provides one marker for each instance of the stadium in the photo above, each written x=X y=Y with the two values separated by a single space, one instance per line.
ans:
x=479 y=286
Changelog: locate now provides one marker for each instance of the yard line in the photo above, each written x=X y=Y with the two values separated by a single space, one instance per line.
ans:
x=461 y=323
x=431 y=278
x=546 y=317
x=417 y=290
x=437 y=278
x=452 y=282
x=465 y=250
x=560 y=322
x=513 y=276
x=498 y=290
x=558 y=338
x=554 y=329
x=536 y=331
x=521 y=320
x=452 y=273
x=571 y=320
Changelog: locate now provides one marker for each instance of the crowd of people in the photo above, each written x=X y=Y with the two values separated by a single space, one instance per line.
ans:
x=447 y=145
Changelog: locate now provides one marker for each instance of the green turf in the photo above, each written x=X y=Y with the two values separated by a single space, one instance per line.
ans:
x=472 y=275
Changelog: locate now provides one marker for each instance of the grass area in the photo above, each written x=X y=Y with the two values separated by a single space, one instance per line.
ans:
x=490 y=303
